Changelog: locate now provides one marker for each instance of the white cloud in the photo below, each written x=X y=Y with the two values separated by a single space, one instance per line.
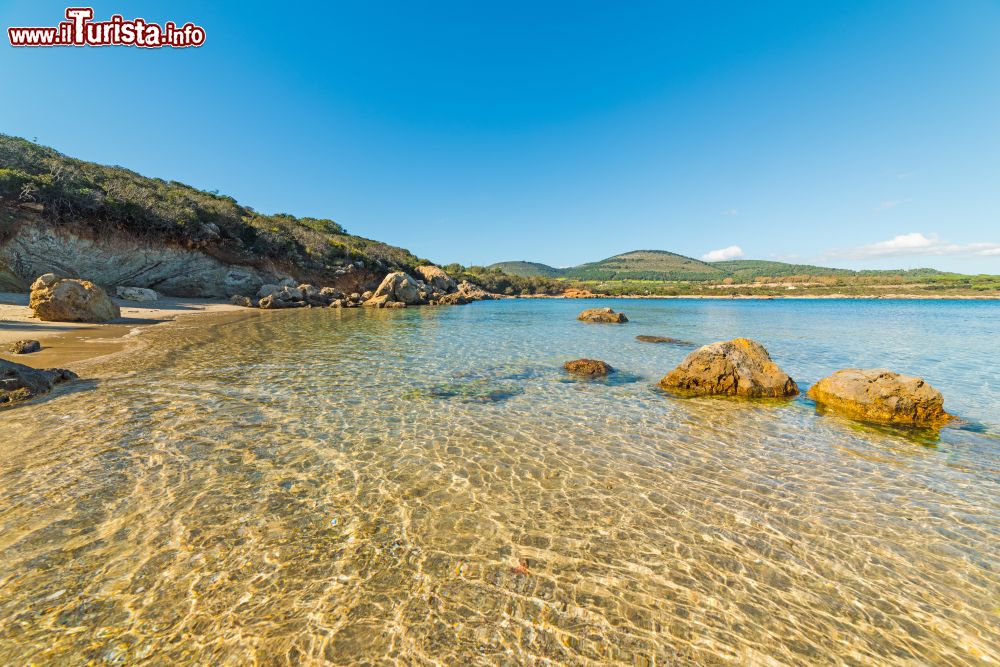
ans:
x=732 y=252
x=916 y=244
x=730 y=212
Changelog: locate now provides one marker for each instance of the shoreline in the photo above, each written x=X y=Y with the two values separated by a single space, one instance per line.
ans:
x=73 y=345
x=772 y=297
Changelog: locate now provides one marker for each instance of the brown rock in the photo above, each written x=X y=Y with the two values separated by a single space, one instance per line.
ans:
x=56 y=299
x=740 y=367
x=602 y=315
x=588 y=367
x=881 y=396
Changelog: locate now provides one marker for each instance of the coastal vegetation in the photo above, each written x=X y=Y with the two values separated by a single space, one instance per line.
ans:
x=39 y=184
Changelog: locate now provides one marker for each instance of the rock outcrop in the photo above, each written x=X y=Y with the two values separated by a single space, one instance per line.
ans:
x=466 y=293
x=435 y=278
x=588 y=367
x=21 y=383
x=881 y=396
x=395 y=287
x=56 y=299
x=25 y=346
x=739 y=367
x=137 y=294
x=606 y=315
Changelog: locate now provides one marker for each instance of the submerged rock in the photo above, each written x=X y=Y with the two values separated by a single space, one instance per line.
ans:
x=881 y=396
x=739 y=367
x=664 y=339
x=21 y=383
x=137 y=294
x=606 y=315
x=56 y=299
x=588 y=367
x=25 y=346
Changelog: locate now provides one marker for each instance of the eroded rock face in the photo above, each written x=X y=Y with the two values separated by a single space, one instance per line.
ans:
x=605 y=315
x=137 y=294
x=436 y=279
x=36 y=248
x=25 y=346
x=881 y=396
x=21 y=383
x=588 y=367
x=56 y=299
x=739 y=367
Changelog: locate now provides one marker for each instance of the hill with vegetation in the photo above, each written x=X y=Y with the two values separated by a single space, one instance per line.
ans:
x=657 y=272
x=645 y=265
x=107 y=202
x=526 y=269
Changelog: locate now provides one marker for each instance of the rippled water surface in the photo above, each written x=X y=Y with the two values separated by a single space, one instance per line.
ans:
x=427 y=487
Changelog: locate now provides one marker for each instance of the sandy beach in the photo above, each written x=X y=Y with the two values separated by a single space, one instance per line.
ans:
x=70 y=344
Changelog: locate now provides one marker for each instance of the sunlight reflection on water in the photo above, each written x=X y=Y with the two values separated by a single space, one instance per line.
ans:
x=425 y=485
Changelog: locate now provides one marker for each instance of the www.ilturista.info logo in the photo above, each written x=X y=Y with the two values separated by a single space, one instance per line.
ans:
x=81 y=30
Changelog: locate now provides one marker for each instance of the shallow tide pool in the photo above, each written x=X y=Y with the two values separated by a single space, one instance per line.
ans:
x=426 y=486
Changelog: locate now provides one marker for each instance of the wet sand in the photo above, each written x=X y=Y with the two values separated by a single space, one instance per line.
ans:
x=71 y=344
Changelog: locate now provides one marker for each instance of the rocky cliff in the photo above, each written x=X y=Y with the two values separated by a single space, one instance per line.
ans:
x=115 y=227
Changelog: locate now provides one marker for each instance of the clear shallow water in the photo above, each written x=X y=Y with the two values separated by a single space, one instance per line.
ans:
x=364 y=487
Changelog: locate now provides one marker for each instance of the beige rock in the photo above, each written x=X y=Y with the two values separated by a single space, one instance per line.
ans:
x=396 y=286
x=739 y=367
x=606 y=315
x=881 y=396
x=137 y=294
x=436 y=278
x=56 y=299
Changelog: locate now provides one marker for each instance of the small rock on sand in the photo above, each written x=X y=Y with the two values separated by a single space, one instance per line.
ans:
x=25 y=346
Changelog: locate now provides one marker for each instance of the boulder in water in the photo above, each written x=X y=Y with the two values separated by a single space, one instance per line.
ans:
x=56 y=299
x=605 y=315
x=739 y=367
x=881 y=396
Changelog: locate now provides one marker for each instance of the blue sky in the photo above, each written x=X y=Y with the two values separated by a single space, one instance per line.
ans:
x=858 y=134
